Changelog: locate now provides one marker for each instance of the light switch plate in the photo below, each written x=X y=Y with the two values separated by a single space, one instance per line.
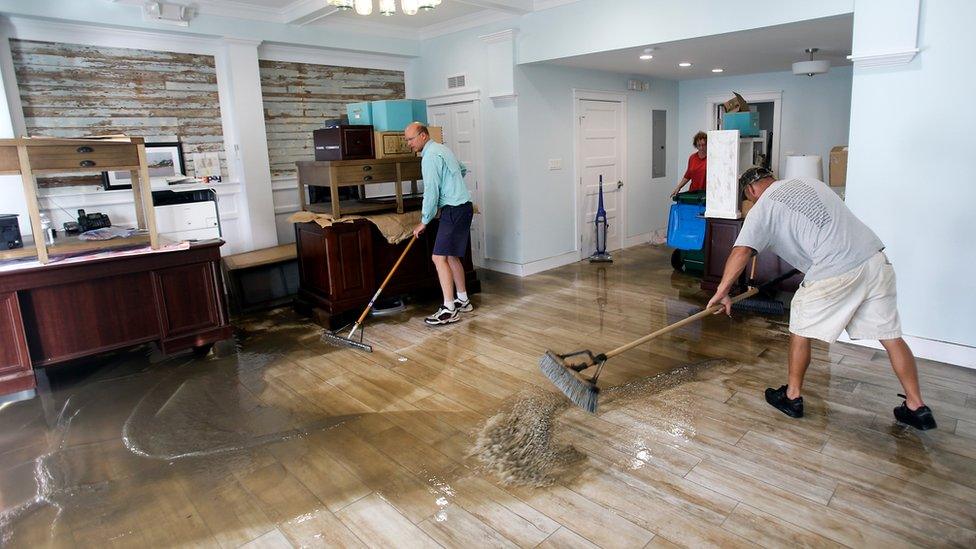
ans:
x=555 y=164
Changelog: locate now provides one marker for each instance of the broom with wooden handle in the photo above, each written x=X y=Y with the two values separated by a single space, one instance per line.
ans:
x=582 y=390
x=347 y=341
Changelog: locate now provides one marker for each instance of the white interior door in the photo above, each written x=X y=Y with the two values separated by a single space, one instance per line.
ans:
x=600 y=145
x=460 y=126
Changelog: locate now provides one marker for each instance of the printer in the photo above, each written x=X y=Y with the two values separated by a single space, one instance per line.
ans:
x=187 y=213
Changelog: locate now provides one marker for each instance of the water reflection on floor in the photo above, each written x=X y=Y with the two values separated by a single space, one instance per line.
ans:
x=279 y=439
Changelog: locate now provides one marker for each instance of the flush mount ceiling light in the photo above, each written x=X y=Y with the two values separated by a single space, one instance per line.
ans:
x=647 y=54
x=811 y=67
x=387 y=7
x=718 y=70
x=684 y=64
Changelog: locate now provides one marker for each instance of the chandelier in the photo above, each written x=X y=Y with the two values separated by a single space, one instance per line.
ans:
x=387 y=7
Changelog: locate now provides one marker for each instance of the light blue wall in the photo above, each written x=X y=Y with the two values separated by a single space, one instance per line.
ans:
x=815 y=110
x=910 y=172
x=546 y=118
x=103 y=12
x=464 y=53
x=590 y=26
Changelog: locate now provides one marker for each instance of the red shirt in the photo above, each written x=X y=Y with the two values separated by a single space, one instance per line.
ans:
x=696 y=172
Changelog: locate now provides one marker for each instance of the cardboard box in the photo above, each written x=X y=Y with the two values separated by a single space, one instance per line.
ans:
x=736 y=104
x=394 y=144
x=837 y=168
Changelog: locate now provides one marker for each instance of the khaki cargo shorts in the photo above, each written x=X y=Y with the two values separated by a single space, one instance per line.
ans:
x=862 y=301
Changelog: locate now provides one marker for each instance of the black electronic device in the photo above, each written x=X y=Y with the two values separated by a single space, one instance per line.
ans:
x=92 y=221
x=10 y=232
x=71 y=227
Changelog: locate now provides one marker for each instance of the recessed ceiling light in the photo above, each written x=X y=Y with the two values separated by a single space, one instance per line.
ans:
x=718 y=70
x=684 y=64
x=647 y=54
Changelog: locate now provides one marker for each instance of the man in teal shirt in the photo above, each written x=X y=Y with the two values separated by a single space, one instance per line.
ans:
x=444 y=189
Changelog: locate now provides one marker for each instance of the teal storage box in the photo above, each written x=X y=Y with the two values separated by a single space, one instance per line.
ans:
x=746 y=122
x=394 y=115
x=360 y=114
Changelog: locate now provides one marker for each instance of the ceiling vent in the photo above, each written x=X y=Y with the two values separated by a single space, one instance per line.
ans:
x=455 y=82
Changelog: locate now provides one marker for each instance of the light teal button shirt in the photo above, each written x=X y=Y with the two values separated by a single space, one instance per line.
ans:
x=443 y=180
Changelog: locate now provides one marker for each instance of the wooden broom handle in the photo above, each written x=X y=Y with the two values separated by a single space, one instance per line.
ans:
x=387 y=279
x=702 y=314
x=699 y=315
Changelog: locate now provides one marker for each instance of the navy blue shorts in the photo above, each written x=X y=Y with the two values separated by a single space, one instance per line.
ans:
x=454 y=230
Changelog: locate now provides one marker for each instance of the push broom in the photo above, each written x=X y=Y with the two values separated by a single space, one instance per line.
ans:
x=349 y=340
x=582 y=390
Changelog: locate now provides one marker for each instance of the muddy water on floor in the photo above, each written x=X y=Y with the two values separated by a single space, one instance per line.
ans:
x=523 y=444
x=80 y=453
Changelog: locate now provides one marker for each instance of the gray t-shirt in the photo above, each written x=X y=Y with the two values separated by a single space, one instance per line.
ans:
x=806 y=224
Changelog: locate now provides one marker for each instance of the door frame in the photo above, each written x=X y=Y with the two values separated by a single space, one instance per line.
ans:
x=474 y=98
x=582 y=94
x=775 y=97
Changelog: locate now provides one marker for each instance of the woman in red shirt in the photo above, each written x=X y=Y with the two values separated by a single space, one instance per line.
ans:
x=696 y=165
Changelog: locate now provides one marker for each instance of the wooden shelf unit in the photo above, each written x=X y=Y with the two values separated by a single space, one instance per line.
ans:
x=357 y=173
x=29 y=157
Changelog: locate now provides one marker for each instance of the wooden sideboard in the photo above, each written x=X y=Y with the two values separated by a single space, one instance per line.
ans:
x=64 y=311
x=341 y=266
x=720 y=235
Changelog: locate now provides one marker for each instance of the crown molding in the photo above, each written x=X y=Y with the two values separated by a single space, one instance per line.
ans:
x=240 y=41
x=540 y=5
x=888 y=59
x=464 y=22
x=506 y=35
x=326 y=56
x=26 y=28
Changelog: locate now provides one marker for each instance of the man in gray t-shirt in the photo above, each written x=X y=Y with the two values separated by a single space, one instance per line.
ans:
x=849 y=283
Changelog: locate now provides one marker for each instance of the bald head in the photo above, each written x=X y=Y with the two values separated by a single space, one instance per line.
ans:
x=416 y=135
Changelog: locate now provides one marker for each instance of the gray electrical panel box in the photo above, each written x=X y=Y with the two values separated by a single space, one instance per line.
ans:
x=659 y=137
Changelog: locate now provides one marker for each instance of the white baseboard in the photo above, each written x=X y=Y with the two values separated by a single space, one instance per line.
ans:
x=659 y=236
x=940 y=351
x=533 y=267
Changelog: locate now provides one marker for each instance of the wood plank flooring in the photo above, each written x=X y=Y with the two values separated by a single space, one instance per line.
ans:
x=279 y=440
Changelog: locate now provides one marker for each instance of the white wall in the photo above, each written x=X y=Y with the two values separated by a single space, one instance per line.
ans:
x=815 y=110
x=546 y=118
x=910 y=172
x=590 y=26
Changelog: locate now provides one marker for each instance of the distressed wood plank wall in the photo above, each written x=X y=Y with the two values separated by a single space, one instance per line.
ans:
x=71 y=90
x=299 y=97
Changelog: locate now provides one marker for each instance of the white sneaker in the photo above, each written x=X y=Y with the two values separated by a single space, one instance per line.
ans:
x=463 y=306
x=443 y=316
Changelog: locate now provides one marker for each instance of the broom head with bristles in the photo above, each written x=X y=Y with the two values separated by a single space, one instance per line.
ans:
x=337 y=340
x=579 y=389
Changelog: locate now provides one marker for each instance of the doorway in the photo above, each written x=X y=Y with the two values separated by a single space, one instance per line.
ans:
x=459 y=123
x=600 y=151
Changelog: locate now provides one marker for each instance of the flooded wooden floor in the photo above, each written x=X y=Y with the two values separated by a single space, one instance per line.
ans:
x=279 y=440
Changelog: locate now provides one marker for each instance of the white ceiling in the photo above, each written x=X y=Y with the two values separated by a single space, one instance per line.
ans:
x=769 y=49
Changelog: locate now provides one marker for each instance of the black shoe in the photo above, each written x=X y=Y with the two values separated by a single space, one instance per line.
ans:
x=920 y=418
x=777 y=399
x=443 y=316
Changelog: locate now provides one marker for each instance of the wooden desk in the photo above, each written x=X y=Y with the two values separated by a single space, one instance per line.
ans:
x=341 y=266
x=59 y=312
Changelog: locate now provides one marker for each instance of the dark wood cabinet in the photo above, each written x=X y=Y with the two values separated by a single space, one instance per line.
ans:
x=64 y=311
x=341 y=266
x=15 y=365
x=720 y=235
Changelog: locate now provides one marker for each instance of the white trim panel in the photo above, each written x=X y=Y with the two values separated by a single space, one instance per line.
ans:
x=930 y=349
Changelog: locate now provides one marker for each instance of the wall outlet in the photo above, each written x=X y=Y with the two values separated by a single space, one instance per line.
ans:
x=555 y=164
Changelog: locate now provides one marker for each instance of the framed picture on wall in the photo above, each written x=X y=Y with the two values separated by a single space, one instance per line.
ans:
x=164 y=160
